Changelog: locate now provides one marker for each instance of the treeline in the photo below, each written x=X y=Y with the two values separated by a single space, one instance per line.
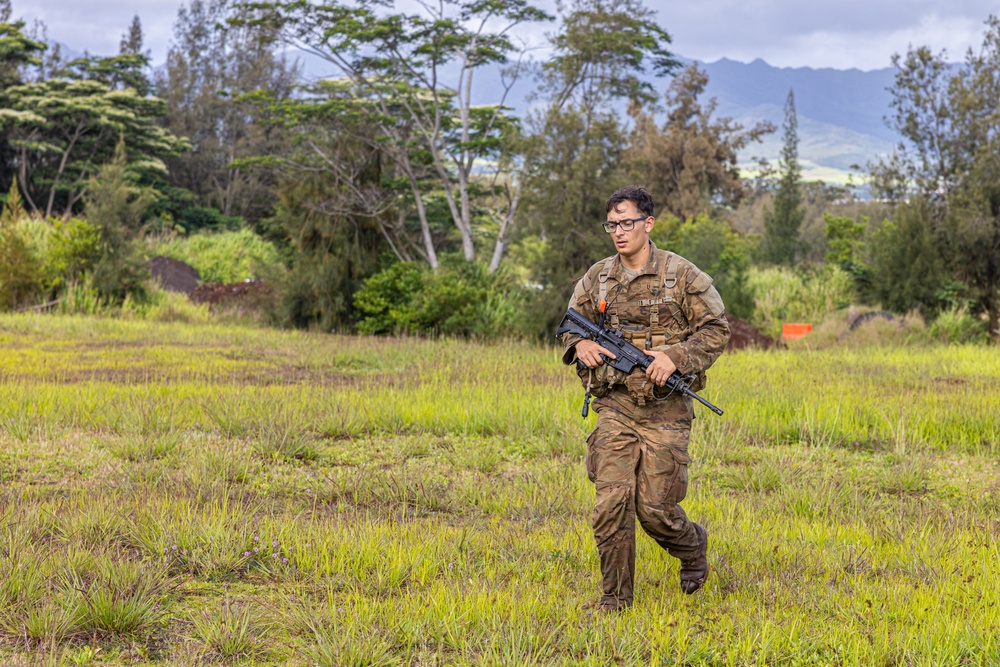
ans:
x=387 y=197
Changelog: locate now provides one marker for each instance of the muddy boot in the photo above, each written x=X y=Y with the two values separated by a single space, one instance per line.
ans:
x=694 y=570
x=611 y=605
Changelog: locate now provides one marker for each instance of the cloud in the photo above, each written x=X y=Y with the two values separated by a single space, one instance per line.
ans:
x=98 y=26
x=787 y=33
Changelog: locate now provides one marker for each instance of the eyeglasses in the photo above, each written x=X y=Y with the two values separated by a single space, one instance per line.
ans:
x=627 y=225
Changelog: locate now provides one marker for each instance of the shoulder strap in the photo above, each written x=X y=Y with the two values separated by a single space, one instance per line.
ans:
x=670 y=284
x=602 y=277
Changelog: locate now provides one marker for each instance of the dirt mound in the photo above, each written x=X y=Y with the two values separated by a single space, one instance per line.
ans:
x=173 y=274
x=744 y=336
x=248 y=293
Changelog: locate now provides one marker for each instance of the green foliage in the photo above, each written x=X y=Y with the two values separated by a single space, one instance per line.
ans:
x=66 y=128
x=214 y=71
x=690 y=163
x=226 y=257
x=807 y=295
x=385 y=298
x=73 y=252
x=783 y=219
x=715 y=248
x=843 y=237
x=907 y=270
x=956 y=325
x=458 y=299
x=116 y=207
x=20 y=271
x=329 y=256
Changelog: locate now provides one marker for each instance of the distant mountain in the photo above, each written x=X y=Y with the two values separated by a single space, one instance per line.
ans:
x=840 y=112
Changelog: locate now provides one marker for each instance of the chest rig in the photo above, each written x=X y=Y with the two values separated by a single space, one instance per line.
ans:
x=654 y=318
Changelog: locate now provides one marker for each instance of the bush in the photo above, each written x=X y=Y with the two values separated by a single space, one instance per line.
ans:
x=459 y=299
x=956 y=325
x=384 y=300
x=716 y=249
x=20 y=270
x=73 y=250
x=225 y=257
x=802 y=295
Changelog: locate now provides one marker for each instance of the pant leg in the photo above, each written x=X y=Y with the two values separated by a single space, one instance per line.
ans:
x=612 y=454
x=662 y=479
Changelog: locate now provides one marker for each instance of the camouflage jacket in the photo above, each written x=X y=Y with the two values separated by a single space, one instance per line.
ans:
x=669 y=306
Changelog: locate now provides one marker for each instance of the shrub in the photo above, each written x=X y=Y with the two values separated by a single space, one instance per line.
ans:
x=384 y=299
x=225 y=257
x=716 y=249
x=802 y=295
x=73 y=250
x=956 y=325
x=20 y=271
x=458 y=299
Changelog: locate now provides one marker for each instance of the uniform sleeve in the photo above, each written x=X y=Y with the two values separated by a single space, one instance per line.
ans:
x=705 y=313
x=581 y=303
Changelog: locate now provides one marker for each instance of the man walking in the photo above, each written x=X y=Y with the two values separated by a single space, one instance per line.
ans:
x=637 y=455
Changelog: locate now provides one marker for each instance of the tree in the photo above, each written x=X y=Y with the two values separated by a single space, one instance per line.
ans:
x=690 y=164
x=949 y=160
x=905 y=259
x=17 y=52
x=216 y=69
x=784 y=218
x=601 y=52
x=396 y=64
x=19 y=269
x=116 y=206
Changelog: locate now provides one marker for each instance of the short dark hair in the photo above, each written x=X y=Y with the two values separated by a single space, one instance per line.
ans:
x=635 y=194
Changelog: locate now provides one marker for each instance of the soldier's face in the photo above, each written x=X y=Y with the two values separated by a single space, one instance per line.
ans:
x=629 y=244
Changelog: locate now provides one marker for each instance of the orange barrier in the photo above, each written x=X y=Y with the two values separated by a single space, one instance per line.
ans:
x=791 y=331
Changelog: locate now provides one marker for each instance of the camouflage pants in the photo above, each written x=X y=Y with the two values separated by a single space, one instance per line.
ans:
x=637 y=458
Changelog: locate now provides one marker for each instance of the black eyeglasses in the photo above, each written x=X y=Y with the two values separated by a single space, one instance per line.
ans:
x=627 y=225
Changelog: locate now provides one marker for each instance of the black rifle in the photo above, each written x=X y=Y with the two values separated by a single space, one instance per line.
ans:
x=627 y=356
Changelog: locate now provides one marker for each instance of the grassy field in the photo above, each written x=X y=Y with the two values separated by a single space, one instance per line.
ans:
x=189 y=495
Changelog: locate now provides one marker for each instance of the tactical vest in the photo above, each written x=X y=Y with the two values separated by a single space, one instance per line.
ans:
x=667 y=322
x=667 y=325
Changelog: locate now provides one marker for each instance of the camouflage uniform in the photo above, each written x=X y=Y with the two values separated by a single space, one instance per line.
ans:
x=637 y=455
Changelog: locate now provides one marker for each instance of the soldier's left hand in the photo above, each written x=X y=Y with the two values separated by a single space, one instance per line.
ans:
x=661 y=368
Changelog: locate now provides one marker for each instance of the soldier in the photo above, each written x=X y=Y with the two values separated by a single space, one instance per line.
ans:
x=637 y=456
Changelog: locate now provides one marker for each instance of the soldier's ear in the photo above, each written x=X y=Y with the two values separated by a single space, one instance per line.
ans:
x=649 y=223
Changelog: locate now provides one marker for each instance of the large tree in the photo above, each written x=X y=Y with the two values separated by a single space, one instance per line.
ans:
x=216 y=67
x=412 y=77
x=600 y=55
x=62 y=130
x=690 y=163
x=949 y=161
x=783 y=219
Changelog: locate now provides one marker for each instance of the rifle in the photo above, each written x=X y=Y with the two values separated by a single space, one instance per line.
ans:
x=627 y=357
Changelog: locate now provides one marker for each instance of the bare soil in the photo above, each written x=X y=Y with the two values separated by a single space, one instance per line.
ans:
x=744 y=336
x=173 y=274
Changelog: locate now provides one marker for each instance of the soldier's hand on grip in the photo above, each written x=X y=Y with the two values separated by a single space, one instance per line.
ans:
x=591 y=354
x=661 y=368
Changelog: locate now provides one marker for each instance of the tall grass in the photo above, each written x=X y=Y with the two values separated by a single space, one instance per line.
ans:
x=196 y=494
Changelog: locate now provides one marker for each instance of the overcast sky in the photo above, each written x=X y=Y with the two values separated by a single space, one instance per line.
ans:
x=786 y=33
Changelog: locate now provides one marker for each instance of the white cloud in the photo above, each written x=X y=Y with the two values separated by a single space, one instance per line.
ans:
x=791 y=33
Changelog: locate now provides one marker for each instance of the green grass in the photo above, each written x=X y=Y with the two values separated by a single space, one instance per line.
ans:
x=185 y=495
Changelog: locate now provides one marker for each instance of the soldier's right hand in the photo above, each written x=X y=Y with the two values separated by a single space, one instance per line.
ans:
x=590 y=353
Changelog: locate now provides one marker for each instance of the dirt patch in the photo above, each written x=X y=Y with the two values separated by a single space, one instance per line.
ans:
x=174 y=275
x=249 y=293
x=746 y=336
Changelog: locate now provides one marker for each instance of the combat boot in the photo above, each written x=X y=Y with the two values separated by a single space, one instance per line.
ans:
x=694 y=571
x=611 y=605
